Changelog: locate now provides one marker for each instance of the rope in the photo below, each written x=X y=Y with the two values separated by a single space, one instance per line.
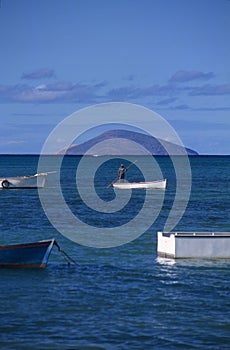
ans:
x=66 y=256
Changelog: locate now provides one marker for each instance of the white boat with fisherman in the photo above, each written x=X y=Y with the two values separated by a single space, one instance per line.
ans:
x=33 y=181
x=158 y=184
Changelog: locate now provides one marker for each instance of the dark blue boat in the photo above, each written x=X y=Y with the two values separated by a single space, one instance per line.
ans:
x=27 y=254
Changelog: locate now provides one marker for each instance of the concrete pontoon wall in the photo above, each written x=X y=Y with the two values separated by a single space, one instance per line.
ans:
x=194 y=244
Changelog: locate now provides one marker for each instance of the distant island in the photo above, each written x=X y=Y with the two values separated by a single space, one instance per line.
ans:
x=141 y=143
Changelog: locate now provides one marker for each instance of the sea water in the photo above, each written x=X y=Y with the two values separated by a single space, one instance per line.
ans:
x=123 y=297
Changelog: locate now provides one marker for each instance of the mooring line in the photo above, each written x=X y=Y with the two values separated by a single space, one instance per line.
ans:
x=66 y=256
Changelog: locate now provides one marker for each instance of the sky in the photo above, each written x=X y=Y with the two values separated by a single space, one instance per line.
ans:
x=171 y=56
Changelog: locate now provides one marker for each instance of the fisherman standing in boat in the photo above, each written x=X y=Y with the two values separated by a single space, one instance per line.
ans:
x=121 y=173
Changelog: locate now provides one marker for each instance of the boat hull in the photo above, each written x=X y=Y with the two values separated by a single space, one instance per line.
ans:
x=28 y=255
x=159 y=184
x=35 y=181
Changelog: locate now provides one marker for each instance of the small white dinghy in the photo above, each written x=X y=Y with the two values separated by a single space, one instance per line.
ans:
x=34 y=181
x=158 y=184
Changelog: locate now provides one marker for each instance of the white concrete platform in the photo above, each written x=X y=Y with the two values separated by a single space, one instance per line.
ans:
x=193 y=244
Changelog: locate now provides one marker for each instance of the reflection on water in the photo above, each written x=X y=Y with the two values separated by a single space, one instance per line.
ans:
x=165 y=261
x=193 y=262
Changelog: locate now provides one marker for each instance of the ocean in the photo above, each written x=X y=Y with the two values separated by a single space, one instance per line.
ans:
x=123 y=297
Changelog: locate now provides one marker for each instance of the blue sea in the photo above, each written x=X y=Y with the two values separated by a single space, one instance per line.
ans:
x=123 y=297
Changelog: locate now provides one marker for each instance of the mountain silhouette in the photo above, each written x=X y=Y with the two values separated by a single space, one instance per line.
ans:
x=124 y=142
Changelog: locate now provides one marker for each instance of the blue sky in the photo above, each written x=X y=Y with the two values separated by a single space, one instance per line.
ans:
x=172 y=56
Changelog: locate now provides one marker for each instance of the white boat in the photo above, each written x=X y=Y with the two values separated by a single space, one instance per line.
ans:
x=34 y=181
x=158 y=184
